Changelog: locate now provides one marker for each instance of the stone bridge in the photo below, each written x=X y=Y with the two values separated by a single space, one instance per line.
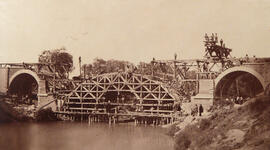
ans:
x=20 y=79
x=255 y=74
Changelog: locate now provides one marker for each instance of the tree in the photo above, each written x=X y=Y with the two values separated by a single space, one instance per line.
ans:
x=62 y=60
x=100 y=66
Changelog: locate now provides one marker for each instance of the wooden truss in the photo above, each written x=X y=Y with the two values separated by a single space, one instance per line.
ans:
x=148 y=95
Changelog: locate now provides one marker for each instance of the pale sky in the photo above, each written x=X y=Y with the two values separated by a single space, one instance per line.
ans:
x=132 y=30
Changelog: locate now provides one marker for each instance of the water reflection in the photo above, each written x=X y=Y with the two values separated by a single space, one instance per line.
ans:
x=81 y=136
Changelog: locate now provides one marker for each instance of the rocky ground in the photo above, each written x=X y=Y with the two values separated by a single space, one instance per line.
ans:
x=226 y=127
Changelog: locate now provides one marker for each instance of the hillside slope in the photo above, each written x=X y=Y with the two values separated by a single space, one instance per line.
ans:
x=245 y=127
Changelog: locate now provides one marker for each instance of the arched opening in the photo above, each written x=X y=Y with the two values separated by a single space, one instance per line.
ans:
x=24 y=88
x=238 y=84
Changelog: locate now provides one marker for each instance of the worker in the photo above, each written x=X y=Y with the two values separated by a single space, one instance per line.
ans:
x=152 y=109
x=247 y=58
x=200 y=110
x=194 y=110
x=108 y=106
x=123 y=100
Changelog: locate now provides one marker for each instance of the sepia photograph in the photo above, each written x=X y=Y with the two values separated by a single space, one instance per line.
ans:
x=134 y=75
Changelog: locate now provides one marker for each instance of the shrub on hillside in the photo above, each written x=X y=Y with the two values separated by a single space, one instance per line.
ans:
x=204 y=124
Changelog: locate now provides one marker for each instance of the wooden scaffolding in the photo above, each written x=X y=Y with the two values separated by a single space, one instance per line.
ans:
x=148 y=97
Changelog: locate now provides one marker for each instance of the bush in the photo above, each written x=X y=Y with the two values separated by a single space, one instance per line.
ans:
x=204 y=124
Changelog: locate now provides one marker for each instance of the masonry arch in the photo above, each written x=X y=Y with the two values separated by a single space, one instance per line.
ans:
x=239 y=81
x=24 y=84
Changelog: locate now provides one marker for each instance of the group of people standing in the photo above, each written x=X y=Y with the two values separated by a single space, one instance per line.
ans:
x=237 y=100
x=197 y=110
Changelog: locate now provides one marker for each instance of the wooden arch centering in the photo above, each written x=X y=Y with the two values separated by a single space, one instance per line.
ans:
x=153 y=97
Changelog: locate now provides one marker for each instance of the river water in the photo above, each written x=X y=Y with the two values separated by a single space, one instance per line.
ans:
x=82 y=136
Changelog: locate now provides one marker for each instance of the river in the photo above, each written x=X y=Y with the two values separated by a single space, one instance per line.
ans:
x=82 y=136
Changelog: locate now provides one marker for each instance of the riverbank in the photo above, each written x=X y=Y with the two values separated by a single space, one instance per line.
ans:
x=243 y=127
x=10 y=112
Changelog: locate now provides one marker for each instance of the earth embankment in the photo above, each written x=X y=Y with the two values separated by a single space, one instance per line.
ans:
x=242 y=127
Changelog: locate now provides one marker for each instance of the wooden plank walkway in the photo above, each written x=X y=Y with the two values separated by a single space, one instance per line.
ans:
x=136 y=114
x=136 y=117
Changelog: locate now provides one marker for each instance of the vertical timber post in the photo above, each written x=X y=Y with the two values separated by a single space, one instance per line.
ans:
x=152 y=67
x=174 y=63
x=8 y=72
x=54 y=77
x=80 y=65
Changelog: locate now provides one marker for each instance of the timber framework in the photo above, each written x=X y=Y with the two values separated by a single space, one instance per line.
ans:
x=136 y=95
x=120 y=94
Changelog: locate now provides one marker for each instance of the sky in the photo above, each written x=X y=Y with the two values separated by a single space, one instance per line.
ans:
x=131 y=30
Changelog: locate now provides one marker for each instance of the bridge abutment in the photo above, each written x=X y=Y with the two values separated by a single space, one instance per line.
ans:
x=4 y=78
x=42 y=94
x=205 y=95
x=44 y=99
